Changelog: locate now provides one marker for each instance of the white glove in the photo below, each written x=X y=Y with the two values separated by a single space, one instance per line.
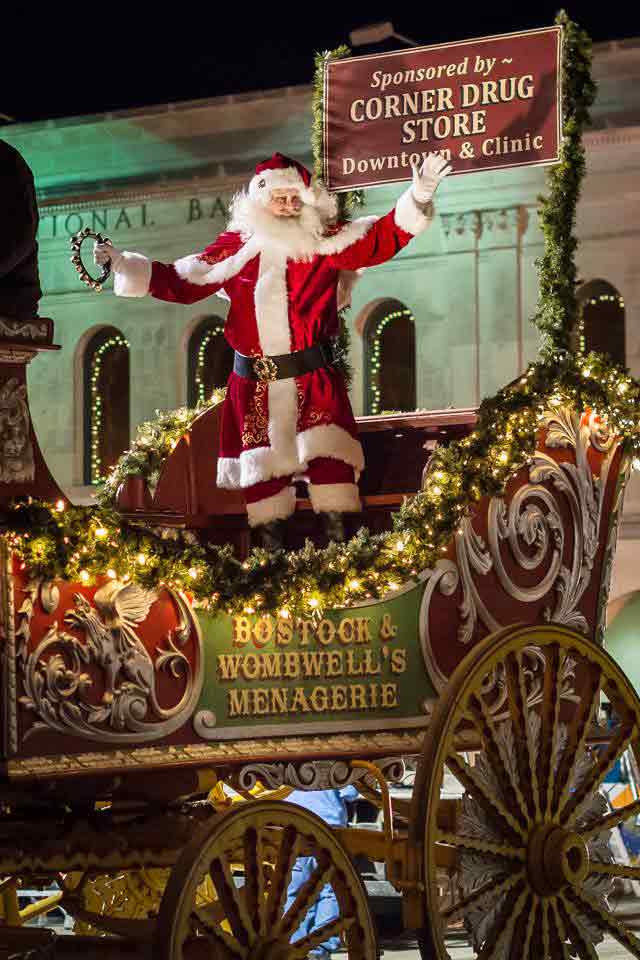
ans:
x=427 y=177
x=105 y=252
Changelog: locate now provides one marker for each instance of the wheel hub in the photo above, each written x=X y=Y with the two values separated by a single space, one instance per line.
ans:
x=556 y=858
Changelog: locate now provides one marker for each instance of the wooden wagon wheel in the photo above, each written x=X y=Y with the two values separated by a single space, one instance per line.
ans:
x=526 y=848
x=264 y=839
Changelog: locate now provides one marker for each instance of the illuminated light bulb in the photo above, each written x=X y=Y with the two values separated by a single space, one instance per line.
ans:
x=111 y=574
x=400 y=545
x=504 y=456
x=142 y=559
x=101 y=532
x=284 y=614
x=436 y=490
x=84 y=576
x=193 y=573
x=354 y=584
x=313 y=602
x=60 y=505
x=249 y=610
x=393 y=586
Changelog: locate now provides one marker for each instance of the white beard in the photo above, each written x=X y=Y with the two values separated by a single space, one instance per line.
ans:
x=297 y=238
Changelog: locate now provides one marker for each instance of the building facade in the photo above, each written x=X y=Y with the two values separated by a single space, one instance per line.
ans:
x=442 y=325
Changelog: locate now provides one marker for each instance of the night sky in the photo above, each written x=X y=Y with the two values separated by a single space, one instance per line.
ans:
x=90 y=58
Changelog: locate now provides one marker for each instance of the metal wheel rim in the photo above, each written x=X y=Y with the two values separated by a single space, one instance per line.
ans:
x=549 y=895
x=249 y=923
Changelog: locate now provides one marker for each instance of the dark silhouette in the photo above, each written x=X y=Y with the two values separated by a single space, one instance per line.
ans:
x=19 y=281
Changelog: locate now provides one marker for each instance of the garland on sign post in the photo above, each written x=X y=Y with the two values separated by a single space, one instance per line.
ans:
x=78 y=544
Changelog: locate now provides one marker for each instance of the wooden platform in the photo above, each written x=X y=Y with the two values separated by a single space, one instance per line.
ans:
x=397 y=450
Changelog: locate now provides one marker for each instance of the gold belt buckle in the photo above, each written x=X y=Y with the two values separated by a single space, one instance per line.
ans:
x=265 y=368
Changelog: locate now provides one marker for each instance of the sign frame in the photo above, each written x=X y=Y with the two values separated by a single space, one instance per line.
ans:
x=558 y=29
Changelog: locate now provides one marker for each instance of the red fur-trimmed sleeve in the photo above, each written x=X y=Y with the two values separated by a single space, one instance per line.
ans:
x=385 y=237
x=196 y=276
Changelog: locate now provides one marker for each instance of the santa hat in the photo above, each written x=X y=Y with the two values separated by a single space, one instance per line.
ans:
x=281 y=173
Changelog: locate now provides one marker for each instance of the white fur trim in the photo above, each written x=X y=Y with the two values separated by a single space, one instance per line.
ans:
x=411 y=216
x=330 y=440
x=350 y=233
x=278 y=507
x=254 y=466
x=289 y=456
x=133 y=276
x=341 y=497
x=198 y=272
x=272 y=305
x=286 y=178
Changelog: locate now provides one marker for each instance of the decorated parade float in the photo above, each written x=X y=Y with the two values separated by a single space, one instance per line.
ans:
x=156 y=669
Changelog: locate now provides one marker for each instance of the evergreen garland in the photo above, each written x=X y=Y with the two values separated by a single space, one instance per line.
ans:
x=155 y=439
x=78 y=544
x=350 y=198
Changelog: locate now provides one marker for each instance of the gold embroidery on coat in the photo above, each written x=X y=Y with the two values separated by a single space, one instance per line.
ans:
x=213 y=258
x=310 y=416
x=256 y=422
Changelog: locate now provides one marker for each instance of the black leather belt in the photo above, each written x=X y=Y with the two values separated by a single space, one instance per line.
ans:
x=285 y=365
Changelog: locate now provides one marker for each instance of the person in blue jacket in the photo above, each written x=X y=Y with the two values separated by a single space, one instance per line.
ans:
x=331 y=806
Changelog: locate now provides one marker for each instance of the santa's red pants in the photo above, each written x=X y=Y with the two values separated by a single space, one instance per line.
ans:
x=332 y=486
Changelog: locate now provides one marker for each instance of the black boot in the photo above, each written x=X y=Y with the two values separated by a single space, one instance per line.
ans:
x=272 y=535
x=333 y=523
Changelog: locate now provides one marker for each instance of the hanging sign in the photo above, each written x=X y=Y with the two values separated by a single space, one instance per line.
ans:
x=482 y=104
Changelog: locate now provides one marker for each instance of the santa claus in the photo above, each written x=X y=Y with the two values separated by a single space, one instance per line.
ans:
x=284 y=264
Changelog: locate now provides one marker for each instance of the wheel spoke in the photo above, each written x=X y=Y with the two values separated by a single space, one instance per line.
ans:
x=605 y=921
x=481 y=846
x=524 y=749
x=234 y=905
x=546 y=937
x=595 y=776
x=306 y=896
x=558 y=932
x=490 y=891
x=495 y=751
x=502 y=929
x=209 y=915
x=334 y=928
x=491 y=804
x=620 y=870
x=290 y=847
x=531 y=923
x=584 y=948
x=611 y=820
x=213 y=933
x=550 y=731
x=252 y=872
x=577 y=738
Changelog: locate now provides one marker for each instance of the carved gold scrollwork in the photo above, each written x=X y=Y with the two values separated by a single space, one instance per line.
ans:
x=57 y=674
x=531 y=526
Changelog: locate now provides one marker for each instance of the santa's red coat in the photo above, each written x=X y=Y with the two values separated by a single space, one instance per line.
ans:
x=277 y=306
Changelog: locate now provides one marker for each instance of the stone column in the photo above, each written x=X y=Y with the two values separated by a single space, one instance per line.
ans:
x=460 y=232
x=500 y=298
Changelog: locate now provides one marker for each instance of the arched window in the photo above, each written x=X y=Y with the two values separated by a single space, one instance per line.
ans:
x=603 y=319
x=210 y=359
x=106 y=402
x=390 y=358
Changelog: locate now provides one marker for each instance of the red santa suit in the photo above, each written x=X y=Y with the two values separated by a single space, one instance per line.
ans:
x=283 y=299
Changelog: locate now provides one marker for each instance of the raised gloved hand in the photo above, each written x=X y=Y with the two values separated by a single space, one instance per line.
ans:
x=427 y=177
x=103 y=252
